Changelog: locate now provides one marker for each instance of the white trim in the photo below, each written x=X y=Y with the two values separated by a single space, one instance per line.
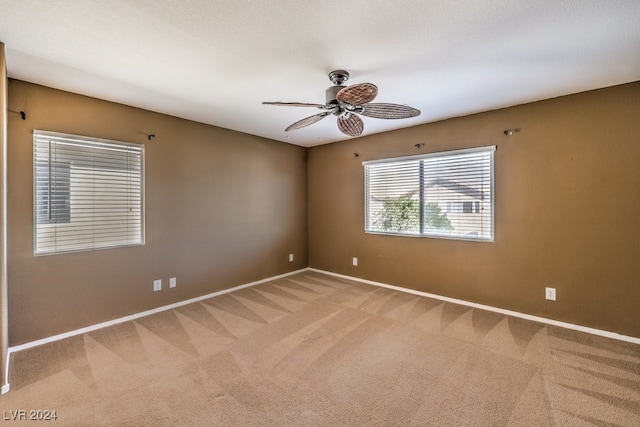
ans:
x=69 y=137
x=565 y=325
x=95 y=327
x=432 y=236
x=4 y=320
x=607 y=334
x=486 y=148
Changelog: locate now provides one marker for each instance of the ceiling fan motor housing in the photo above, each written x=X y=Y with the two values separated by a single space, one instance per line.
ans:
x=332 y=93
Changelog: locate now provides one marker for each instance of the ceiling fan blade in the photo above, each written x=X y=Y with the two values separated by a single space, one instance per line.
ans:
x=294 y=104
x=388 y=111
x=308 y=121
x=358 y=94
x=350 y=124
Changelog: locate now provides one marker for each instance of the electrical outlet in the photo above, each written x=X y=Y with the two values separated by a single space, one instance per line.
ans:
x=157 y=285
x=355 y=261
x=290 y=257
x=550 y=293
x=172 y=282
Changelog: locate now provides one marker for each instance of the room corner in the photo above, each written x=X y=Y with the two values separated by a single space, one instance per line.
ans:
x=3 y=253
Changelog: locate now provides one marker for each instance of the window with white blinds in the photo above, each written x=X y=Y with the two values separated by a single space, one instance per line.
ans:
x=447 y=195
x=88 y=193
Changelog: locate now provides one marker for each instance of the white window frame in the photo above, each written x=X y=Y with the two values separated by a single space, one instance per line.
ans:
x=103 y=183
x=400 y=184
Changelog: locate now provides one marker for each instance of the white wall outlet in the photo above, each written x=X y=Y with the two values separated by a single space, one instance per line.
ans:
x=173 y=282
x=157 y=285
x=355 y=261
x=290 y=257
x=550 y=293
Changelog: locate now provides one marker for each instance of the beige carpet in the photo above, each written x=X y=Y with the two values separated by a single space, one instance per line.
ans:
x=314 y=350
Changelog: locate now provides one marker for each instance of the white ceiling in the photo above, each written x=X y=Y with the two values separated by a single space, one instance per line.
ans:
x=216 y=61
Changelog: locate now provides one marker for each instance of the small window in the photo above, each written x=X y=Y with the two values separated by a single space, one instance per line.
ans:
x=447 y=195
x=88 y=193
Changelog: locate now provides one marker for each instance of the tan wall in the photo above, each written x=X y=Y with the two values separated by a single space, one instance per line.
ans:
x=222 y=209
x=567 y=211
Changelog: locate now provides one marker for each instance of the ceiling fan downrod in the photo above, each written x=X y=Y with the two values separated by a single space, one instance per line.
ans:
x=338 y=78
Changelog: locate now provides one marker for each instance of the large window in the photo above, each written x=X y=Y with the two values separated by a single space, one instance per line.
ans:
x=88 y=193
x=448 y=195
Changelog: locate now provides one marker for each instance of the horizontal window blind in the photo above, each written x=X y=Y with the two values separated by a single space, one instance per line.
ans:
x=447 y=195
x=88 y=193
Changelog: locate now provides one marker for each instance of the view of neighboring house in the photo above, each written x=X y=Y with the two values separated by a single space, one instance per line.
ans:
x=465 y=207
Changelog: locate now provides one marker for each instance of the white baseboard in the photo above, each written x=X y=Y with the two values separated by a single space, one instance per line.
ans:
x=131 y=317
x=565 y=325
x=607 y=334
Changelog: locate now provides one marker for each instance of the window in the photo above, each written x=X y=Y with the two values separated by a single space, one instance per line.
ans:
x=448 y=195
x=88 y=193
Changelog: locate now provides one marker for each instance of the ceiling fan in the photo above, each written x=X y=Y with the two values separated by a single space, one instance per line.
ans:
x=346 y=102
